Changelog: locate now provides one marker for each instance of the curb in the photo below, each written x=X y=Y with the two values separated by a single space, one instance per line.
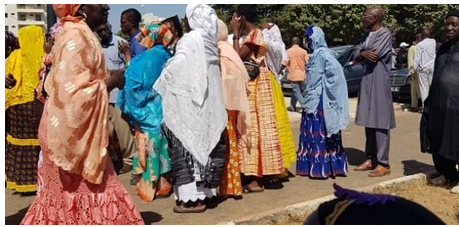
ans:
x=301 y=210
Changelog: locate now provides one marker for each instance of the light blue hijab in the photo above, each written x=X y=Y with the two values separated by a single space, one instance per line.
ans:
x=326 y=80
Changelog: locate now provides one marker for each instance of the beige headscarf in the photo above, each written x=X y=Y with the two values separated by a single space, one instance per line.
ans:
x=234 y=82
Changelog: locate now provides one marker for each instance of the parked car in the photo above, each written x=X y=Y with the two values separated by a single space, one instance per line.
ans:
x=400 y=84
x=353 y=72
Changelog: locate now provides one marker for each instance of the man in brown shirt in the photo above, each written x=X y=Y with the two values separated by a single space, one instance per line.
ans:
x=298 y=58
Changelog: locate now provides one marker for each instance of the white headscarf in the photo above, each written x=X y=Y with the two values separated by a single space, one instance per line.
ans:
x=190 y=86
x=276 y=49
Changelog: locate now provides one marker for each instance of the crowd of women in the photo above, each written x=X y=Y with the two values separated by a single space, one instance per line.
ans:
x=202 y=117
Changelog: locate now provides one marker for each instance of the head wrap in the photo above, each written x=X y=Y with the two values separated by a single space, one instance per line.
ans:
x=359 y=208
x=153 y=34
x=66 y=12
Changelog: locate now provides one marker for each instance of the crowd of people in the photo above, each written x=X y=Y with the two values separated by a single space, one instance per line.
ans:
x=197 y=115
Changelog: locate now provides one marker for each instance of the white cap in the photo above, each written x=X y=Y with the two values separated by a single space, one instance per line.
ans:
x=403 y=44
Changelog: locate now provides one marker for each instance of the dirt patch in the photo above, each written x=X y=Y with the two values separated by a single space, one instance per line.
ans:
x=439 y=200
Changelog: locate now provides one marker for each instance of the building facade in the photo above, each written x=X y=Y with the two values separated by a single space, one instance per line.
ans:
x=21 y=15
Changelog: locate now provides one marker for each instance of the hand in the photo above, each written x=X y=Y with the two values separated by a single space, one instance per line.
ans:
x=370 y=55
x=412 y=76
x=236 y=24
x=10 y=82
x=124 y=48
x=116 y=79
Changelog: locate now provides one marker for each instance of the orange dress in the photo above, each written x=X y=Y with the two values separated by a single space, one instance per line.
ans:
x=231 y=181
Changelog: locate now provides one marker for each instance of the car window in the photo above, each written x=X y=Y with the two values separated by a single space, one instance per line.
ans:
x=343 y=58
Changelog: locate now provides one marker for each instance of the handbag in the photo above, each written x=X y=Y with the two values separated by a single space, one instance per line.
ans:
x=252 y=68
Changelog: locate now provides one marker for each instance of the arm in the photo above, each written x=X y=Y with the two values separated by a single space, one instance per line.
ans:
x=236 y=25
x=417 y=58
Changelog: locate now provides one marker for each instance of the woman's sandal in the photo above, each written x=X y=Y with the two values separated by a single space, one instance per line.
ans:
x=247 y=189
x=183 y=209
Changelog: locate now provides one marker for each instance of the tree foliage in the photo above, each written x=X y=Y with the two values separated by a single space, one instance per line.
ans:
x=342 y=22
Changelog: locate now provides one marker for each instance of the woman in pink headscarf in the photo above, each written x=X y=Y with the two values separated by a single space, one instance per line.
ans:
x=80 y=184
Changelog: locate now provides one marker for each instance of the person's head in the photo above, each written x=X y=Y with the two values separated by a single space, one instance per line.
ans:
x=130 y=20
x=372 y=17
x=32 y=40
x=174 y=25
x=11 y=43
x=418 y=37
x=315 y=37
x=155 y=33
x=104 y=31
x=95 y=14
x=359 y=208
x=403 y=46
x=425 y=33
x=296 y=40
x=201 y=16
x=452 y=26
x=248 y=14
x=222 y=34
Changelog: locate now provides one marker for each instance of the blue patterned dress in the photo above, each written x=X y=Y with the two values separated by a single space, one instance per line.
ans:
x=319 y=156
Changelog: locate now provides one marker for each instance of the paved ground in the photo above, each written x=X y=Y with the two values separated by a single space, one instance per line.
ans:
x=405 y=157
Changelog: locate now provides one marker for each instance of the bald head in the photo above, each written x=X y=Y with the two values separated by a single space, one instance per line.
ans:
x=377 y=11
x=296 y=40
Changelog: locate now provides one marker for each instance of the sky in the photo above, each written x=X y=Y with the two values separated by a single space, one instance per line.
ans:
x=160 y=10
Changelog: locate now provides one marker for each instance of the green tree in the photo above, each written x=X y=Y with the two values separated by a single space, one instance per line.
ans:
x=122 y=35
x=342 y=22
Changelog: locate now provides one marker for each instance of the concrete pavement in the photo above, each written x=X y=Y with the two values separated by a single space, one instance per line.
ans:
x=405 y=158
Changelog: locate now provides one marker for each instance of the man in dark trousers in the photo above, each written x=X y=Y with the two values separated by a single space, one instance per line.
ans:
x=375 y=110
x=442 y=108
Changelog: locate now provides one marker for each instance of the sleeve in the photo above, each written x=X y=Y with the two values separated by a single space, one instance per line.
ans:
x=137 y=49
x=417 y=57
x=357 y=50
x=383 y=44
x=410 y=59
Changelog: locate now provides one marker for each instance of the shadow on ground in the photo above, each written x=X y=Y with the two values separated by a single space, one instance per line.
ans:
x=150 y=217
x=355 y=156
x=16 y=219
x=411 y=167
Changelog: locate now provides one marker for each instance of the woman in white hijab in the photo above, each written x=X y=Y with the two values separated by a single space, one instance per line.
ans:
x=194 y=112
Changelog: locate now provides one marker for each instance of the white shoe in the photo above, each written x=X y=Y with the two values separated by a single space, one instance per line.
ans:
x=441 y=180
x=455 y=189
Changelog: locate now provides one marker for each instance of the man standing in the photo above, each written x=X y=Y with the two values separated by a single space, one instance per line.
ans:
x=442 y=107
x=375 y=110
x=424 y=60
x=130 y=21
x=298 y=58
x=415 y=95
x=118 y=125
